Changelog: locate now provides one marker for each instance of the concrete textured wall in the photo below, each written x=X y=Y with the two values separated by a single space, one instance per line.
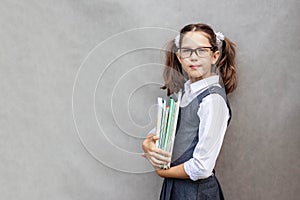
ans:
x=79 y=81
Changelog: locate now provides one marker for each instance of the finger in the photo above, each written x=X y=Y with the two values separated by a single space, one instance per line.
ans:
x=150 y=135
x=163 y=153
x=153 y=162
x=160 y=157
x=155 y=137
x=157 y=162
x=156 y=159
x=154 y=165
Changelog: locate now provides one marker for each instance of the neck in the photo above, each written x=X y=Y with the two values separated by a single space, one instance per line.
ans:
x=193 y=79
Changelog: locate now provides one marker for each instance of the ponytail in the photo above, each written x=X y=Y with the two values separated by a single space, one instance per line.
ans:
x=173 y=73
x=226 y=65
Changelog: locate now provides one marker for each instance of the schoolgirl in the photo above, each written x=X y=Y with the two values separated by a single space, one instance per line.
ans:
x=206 y=59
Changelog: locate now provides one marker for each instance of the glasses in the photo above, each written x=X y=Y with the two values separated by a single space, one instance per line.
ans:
x=200 y=52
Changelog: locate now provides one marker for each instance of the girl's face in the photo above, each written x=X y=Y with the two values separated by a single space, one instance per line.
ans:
x=196 y=66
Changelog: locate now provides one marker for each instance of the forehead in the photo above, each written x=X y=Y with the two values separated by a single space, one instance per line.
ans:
x=195 y=38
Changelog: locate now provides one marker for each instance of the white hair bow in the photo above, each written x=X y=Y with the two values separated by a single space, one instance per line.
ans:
x=176 y=41
x=220 y=38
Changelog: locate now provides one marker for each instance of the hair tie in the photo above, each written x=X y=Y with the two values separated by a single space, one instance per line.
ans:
x=176 y=41
x=220 y=38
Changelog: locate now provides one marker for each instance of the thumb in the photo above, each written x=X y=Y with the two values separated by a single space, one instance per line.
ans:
x=155 y=137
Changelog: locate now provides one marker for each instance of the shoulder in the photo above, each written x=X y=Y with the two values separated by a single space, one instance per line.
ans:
x=213 y=103
x=212 y=94
x=213 y=98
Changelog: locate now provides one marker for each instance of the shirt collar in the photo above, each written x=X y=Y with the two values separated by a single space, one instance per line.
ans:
x=201 y=84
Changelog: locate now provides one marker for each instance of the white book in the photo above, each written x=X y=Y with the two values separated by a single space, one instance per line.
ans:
x=159 y=118
x=161 y=123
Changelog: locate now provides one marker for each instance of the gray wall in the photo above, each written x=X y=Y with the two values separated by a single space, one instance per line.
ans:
x=78 y=96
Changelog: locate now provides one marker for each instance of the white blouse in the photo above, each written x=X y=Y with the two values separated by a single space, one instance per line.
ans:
x=213 y=114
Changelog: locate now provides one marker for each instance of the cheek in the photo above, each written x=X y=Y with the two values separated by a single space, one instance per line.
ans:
x=185 y=63
x=185 y=67
x=207 y=61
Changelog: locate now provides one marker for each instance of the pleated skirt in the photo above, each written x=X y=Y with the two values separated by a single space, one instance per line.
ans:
x=186 y=189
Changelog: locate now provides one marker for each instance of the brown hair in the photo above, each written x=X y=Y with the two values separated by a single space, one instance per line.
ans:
x=173 y=72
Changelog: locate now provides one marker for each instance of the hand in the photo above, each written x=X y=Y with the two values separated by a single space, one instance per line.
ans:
x=155 y=155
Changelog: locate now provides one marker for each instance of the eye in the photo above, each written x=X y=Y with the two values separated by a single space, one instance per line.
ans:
x=202 y=50
x=185 y=50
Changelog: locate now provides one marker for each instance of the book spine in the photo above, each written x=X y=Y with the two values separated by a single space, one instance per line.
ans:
x=158 y=119
x=164 y=128
x=169 y=124
x=161 y=128
x=177 y=107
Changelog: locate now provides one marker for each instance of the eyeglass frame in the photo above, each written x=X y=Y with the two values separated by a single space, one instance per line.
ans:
x=195 y=50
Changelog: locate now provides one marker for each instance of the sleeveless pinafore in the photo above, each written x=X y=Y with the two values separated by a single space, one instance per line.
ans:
x=185 y=142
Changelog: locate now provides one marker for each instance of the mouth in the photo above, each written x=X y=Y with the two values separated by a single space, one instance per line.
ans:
x=194 y=66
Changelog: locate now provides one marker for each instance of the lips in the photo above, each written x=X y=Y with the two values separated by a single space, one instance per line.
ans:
x=194 y=66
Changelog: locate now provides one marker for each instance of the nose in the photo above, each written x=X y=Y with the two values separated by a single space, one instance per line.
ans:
x=194 y=56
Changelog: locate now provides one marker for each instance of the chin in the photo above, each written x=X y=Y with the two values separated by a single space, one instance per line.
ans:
x=197 y=74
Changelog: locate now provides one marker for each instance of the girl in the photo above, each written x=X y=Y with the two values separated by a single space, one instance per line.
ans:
x=206 y=58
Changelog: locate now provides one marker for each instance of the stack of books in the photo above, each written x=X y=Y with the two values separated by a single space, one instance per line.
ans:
x=166 y=123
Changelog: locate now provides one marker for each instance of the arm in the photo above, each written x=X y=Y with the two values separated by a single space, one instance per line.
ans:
x=174 y=172
x=213 y=114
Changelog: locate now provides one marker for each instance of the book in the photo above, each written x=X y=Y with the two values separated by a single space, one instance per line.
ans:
x=166 y=123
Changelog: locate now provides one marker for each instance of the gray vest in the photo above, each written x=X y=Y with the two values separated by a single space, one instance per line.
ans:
x=186 y=137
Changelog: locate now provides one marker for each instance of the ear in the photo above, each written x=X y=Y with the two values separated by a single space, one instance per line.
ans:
x=215 y=57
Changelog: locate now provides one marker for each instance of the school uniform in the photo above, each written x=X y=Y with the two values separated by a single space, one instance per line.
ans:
x=196 y=144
